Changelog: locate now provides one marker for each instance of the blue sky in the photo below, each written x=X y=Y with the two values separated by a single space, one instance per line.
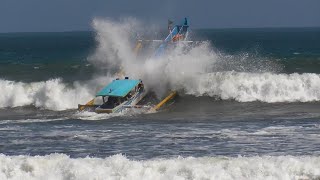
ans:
x=68 y=15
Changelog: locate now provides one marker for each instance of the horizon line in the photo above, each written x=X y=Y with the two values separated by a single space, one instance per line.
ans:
x=205 y=28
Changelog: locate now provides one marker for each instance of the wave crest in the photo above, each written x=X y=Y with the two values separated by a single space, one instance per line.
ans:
x=265 y=87
x=52 y=94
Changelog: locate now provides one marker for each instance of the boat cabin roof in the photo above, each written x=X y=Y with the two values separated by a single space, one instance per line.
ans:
x=118 y=88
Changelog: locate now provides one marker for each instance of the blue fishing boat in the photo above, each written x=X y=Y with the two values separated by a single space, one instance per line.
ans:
x=120 y=94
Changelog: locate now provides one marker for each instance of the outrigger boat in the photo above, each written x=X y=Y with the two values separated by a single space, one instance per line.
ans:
x=120 y=94
x=127 y=93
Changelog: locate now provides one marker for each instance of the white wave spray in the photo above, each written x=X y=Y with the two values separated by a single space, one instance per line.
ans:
x=199 y=70
x=59 y=166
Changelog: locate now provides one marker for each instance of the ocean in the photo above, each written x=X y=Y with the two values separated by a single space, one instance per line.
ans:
x=248 y=105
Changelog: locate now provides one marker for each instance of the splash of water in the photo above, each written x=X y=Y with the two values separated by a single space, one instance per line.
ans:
x=201 y=70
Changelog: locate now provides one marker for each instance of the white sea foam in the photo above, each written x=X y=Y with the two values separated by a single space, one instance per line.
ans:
x=60 y=166
x=85 y=115
x=9 y=121
x=94 y=116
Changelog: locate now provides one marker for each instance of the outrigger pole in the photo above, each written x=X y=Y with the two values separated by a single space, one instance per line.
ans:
x=90 y=103
x=165 y=100
x=138 y=47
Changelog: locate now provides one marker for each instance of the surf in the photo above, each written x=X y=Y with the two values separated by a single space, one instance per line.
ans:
x=61 y=166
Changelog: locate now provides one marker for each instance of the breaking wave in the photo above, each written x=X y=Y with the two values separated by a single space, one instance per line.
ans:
x=230 y=85
x=265 y=87
x=52 y=94
x=60 y=166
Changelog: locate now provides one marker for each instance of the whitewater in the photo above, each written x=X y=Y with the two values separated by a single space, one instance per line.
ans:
x=59 y=166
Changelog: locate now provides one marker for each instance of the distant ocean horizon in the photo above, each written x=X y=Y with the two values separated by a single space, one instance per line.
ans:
x=164 y=29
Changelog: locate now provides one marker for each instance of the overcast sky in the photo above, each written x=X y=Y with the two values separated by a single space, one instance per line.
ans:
x=68 y=15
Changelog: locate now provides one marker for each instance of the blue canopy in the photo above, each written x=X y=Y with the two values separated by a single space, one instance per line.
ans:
x=118 y=88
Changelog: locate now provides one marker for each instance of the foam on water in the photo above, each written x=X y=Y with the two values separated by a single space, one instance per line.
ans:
x=60 y=166
x=10 y=121
x=94 y=116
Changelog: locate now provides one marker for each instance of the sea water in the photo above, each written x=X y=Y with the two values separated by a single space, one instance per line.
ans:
x=248 y=105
